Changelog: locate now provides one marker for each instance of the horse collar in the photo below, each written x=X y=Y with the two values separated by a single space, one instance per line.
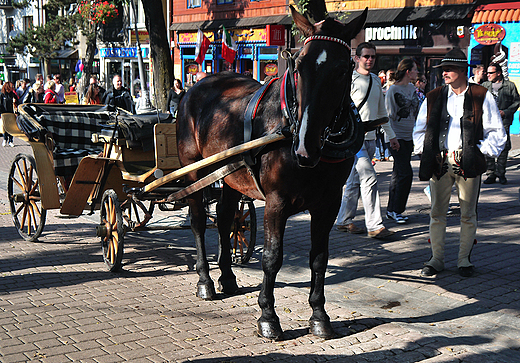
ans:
x=327 y=38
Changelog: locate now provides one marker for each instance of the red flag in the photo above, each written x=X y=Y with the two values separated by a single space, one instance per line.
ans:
x=229 y=48
x=203 y=44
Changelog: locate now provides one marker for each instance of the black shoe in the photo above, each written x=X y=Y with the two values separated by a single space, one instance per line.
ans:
x=466 y=271
x=490 y=180
x=502 y=180
x=428 y=271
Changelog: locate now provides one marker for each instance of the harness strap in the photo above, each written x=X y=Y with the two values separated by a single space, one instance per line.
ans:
x=288 y=98
x=251 y=109
x=250 y=115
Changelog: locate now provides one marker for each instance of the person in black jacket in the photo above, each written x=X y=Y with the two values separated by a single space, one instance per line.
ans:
x=174 y=96
x=119 y=96
x=508 y=100
x=35 y=94
x=8 y=103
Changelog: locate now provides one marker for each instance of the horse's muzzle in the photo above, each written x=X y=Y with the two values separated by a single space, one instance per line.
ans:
x=306 y=159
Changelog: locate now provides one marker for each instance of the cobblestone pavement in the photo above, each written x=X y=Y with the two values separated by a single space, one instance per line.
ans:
x=58 y=303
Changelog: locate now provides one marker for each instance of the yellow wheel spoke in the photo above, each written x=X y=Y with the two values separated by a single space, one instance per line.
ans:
x=34 y=187
x=36 y=208
x=19 y=210
x=243 y=239
x=244 y=217
x=29 y=219
x=24 y=216
x=22 y=178
x=18 y=183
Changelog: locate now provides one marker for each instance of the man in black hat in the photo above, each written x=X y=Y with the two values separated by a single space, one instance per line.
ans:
x=457 y=125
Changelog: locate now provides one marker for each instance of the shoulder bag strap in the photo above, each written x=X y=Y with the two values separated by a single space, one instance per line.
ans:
x=368 y=93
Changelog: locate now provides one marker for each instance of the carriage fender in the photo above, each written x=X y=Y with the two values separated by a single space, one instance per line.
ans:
x=84 y=181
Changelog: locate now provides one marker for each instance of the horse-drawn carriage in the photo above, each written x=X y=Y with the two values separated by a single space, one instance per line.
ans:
x=313 y=131
x=90 y=157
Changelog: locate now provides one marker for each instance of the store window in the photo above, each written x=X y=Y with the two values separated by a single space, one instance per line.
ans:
x=10 y=25
x=194 y=4
x=268 y=59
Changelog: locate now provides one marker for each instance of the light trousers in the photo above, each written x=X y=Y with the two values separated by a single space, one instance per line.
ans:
x=468 y=193
x=362 y=180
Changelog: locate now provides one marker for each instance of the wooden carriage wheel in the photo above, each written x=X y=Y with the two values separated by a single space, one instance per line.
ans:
x=135 y=213
x=111 y=230
x=24 y=198
x=243 y=231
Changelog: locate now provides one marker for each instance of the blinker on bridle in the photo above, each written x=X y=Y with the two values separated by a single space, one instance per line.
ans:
x=291 y=80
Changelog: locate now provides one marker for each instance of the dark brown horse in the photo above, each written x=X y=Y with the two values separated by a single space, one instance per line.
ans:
x=292 y=174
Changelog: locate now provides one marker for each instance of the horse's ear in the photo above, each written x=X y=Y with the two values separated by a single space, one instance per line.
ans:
x=354 y=26
x=302 y=23
x=316 y=11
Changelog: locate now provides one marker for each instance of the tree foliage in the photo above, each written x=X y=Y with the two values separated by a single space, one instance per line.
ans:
x=65 y=17
x=44 y=41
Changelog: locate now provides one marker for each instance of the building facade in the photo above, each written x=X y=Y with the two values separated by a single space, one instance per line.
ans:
x=421 y=30
x=496 y=31
x=260 y=29
x=14 y=21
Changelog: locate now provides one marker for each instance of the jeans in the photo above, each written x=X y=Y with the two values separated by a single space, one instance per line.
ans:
x=362 y=179
x=402 y=175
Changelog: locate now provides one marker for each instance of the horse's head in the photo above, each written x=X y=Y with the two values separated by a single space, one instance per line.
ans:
x=324 y=72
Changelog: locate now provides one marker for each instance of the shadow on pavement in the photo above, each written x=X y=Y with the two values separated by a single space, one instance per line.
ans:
x=417 y=351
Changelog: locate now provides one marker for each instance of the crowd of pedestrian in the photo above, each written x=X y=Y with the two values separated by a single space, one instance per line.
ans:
x=459 y=130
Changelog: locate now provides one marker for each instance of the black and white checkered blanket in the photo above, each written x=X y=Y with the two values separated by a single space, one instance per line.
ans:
x=72 y=135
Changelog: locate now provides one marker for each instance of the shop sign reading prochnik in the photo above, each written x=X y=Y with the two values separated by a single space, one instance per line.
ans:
x=406 y=32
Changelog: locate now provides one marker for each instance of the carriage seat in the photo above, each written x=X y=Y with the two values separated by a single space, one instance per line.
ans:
x=138 y=129
x=72 y=132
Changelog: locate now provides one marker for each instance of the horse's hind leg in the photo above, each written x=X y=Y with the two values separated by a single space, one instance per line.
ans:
x=225 y=215
x=272 y=256
x=205 y=286
x=320 y=228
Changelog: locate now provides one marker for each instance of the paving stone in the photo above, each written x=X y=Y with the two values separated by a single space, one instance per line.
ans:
x=62 y=288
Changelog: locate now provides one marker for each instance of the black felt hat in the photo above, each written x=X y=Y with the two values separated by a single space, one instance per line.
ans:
x=454 y=57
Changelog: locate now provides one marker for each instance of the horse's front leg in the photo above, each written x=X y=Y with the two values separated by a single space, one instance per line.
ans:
x=225 y=215
x=205 y=286
x=272 y=256
x=321 y=224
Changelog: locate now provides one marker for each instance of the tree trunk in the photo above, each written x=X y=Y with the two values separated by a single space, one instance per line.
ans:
x=159 y=50
x=84 y=81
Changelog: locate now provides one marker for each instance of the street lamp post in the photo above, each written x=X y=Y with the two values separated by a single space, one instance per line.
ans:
x=147 y=106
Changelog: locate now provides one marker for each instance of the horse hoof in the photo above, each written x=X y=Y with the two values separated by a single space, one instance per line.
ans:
x=228 y=287
x=206 y=291
x=270 y=330
x=321 y=329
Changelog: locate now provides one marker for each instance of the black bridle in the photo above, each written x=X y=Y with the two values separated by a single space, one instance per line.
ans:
x=290 y=104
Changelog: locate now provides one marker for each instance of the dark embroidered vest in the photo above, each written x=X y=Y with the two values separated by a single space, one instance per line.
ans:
x=473 y=162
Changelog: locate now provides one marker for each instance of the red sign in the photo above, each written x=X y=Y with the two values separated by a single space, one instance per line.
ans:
x=193 y=69
x=275 y=35
x=489 y=34
x=271 y=69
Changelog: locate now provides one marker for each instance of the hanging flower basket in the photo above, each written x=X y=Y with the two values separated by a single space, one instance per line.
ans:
x=98 y=11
